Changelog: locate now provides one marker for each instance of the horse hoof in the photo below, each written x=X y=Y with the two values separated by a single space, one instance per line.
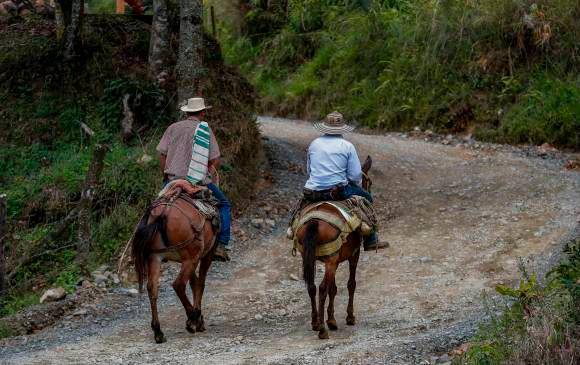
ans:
x=189 y=327
x=200 y=327
x=323 y=334
x=160 y=338
x=332 y=324
x=350 y=321
x=315 y=327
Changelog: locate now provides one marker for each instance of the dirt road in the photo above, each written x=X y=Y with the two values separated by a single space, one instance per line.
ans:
x=457 y=218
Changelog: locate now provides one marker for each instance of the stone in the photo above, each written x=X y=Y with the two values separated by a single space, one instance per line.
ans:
x=8 y=7
x=444 y=358
x=294 y=277
x=53 y=295
x=99 y=278
x=258 y=317
x=116 y=279
x=80 y=312
x=425 y=259
x=271 y=222
x=86 y=284
x=130 y=291
x=257 y=222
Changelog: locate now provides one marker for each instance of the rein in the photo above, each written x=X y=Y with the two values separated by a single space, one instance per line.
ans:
x=170 y=204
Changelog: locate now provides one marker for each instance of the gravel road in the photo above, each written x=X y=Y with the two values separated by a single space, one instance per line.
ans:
x=458 y=218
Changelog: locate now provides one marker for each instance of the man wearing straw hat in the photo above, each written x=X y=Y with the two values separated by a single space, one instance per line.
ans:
x=334 y=170
x=189 y=150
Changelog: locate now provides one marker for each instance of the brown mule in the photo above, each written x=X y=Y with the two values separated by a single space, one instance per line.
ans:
x=174 y=230
x=313 y=233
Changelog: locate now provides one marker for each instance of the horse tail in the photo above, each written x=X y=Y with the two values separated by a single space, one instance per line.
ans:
x=309 y=256
x=141 y=241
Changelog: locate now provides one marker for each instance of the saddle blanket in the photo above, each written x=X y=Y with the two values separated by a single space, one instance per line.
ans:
x=347 y=220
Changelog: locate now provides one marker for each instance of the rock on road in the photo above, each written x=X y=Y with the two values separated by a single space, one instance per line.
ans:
x=457 y=219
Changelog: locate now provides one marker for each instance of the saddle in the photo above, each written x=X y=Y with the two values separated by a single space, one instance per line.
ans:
x=346 y=220
x=197 y=195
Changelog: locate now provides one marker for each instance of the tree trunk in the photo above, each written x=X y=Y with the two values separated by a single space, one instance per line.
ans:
x=159 y=46
x=72 y=20
x=59 y=20
x=3 y=213
x=86 y=202
x=189 y=63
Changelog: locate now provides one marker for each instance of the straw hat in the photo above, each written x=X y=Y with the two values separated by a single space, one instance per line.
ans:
x=333 y=124
x=194 y=105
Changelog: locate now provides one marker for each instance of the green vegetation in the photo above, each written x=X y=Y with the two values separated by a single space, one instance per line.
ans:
x=539 y=325
x=45 y=151
x=506 y=70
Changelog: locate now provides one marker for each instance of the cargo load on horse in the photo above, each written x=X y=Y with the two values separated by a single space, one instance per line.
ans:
x=350 y=215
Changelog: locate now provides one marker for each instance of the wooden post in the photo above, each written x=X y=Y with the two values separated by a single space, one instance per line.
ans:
x=120 y=8
x=86 y=202
x=3 y=213
x=212 y=15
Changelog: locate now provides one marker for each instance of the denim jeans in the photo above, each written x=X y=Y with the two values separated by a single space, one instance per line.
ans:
x=225 y=208
x=353 y=189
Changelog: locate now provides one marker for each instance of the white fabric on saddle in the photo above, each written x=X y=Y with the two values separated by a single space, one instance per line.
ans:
x=345 y=213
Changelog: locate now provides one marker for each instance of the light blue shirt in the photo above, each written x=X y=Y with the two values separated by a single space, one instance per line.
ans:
x=332 y=160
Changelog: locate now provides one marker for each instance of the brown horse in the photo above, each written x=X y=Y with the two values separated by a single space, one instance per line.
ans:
x=174 y=230
x=315 y=232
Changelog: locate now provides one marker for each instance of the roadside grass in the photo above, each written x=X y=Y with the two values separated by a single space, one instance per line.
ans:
x=508 y=69
x=539 y=324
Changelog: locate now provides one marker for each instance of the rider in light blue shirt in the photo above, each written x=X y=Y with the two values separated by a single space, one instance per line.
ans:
x=333 y=165
x=332 y=161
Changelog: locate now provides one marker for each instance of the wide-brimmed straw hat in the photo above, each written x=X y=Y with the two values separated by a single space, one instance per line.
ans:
x=194 y=105
x=333 y=124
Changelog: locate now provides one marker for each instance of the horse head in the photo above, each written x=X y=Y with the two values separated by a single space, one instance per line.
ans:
x=366 y=180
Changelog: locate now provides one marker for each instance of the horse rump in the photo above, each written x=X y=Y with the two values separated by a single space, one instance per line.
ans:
x=141 y=242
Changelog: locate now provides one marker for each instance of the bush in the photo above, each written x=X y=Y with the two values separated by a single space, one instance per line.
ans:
x=540 y=325
x=446 y=65
x=548 y=111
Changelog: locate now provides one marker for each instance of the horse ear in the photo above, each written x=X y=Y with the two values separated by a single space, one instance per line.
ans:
x=367 y=165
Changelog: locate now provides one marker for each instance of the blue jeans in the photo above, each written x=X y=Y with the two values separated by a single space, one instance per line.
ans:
x=353 y=189
x=225 y=208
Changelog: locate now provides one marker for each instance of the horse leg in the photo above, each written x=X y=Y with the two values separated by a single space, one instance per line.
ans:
x=154 y=265
x=180 y=284
x=315 y=320
x=199 y=287
x=329 y=273
x=352 y=263
x=332 y=290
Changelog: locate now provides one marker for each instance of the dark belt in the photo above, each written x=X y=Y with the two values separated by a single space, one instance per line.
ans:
x=334 y=193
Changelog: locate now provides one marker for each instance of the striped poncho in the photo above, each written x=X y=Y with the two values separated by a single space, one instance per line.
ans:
x=199 y=154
